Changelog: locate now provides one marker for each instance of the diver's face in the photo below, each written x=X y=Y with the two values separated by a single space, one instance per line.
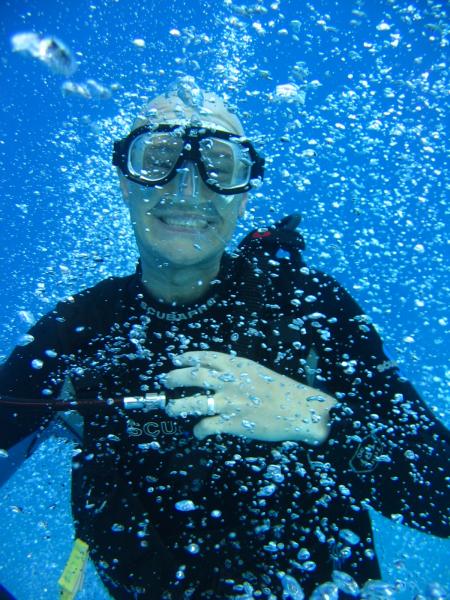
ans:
x=182 y=223
x=177 y=227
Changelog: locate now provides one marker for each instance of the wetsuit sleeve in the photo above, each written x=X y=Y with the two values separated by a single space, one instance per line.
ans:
x=60 y=342
x=35 y=371
x=385 y=447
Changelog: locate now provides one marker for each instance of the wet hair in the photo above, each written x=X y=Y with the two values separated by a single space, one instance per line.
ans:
x=185 y=101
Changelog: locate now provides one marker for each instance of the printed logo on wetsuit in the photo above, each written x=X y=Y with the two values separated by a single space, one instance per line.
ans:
x=182 y=316
x=368 y=455
x=152 y=429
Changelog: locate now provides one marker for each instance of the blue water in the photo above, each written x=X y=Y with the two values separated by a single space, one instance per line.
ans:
x=364 y=159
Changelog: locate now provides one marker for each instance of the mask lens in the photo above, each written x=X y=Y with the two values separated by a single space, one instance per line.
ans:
x=152 y=156
x=227 y=162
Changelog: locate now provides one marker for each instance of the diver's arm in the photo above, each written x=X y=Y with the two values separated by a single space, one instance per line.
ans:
x=20 y=381
x=36 y=370
x=385 y=445
x=17 y=424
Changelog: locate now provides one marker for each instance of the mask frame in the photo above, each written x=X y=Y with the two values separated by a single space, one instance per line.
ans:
x=191 y=136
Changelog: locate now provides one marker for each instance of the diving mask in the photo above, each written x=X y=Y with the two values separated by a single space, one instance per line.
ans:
x=153 y=155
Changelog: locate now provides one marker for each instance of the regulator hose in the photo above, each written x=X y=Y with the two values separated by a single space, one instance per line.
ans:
x=149 y=402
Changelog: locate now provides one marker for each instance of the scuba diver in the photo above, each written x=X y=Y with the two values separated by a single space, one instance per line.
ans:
x=239 y=413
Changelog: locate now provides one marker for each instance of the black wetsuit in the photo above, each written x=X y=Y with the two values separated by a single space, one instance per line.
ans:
x=257 y=509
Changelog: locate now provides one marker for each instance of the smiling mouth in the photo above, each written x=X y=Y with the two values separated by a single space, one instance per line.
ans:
x=186 y=222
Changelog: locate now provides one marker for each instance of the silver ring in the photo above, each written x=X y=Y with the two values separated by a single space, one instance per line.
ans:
x=211 y=410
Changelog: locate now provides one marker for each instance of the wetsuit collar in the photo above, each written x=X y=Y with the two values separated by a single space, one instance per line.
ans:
x=174 y=313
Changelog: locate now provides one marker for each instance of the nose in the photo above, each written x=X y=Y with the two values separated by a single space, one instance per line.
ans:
x=188 y=181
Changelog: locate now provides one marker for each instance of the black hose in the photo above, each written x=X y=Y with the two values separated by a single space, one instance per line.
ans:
x=148 y=401
x=58 y=405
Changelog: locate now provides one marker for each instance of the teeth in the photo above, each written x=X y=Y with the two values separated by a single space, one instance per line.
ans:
x=188 y=222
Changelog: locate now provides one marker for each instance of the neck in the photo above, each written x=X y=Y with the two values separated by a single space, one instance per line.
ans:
x=178 y=284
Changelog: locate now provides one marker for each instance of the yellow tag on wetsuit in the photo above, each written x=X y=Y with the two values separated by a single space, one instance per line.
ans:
x=72 y=577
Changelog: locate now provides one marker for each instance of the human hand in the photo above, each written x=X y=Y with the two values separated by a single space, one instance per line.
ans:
x=248 y=399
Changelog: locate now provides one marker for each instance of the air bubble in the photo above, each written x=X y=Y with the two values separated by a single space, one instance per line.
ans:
x=349 y=536
x=267 y=490
x=303 y=554
x=193 y=548
x=291 y=588
x=326 y=591
x=24 y=340
x=51 y=51
x=185 y=505
x=345 y=583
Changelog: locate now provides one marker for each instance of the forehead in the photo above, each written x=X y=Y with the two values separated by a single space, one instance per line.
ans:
x=170 y=109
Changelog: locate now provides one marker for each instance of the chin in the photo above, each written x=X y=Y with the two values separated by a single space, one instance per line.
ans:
x=188 y=244
x=188 y=255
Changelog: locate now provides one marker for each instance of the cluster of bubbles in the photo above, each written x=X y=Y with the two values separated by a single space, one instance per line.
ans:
x=361 y=157
x=49 y=50
x=363 y=160
x=343 y=582
x=56 y=55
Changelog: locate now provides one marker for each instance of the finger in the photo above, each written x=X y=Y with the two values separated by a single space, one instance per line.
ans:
x=204 y=358
x=232 y=367
x=192 y=377
x=198 y=405
x=192 y=405
x=208 y=426
x=214 y=425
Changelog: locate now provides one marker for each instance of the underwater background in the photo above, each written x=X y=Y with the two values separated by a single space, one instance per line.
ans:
x=348 y=102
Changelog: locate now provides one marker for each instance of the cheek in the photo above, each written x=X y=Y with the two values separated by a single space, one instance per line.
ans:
x=142 y=199
x=227 y=207
x=139 y=211
x=230 y=216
